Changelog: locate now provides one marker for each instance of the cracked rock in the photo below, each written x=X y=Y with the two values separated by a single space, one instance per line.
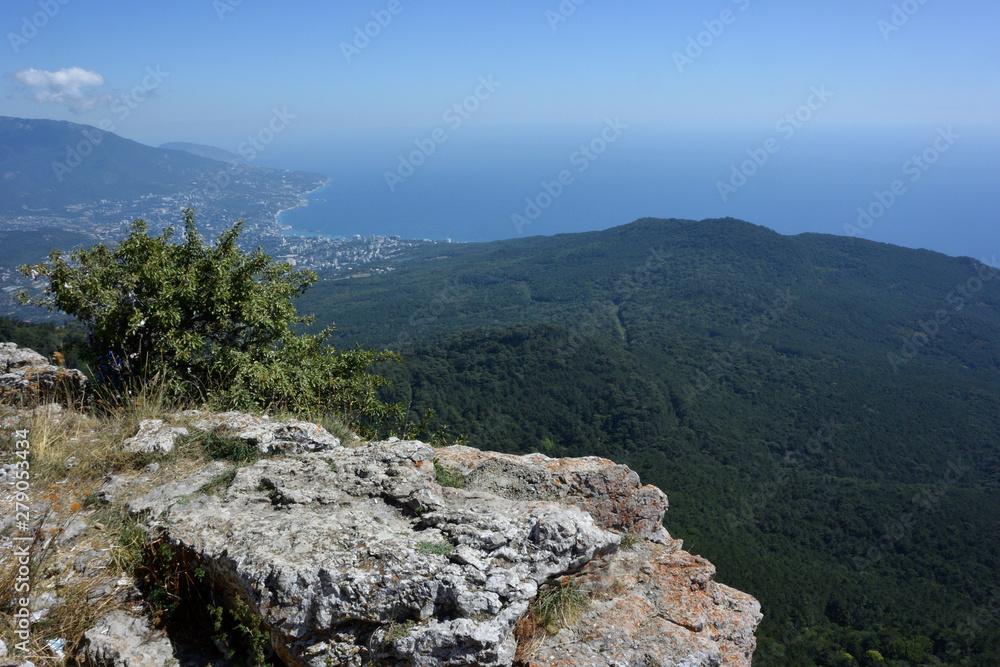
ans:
x=358 y=557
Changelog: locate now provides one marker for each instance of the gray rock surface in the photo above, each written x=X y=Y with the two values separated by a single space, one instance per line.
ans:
x=112 y=487
x=269 y=437
x=25 y=372
x=120 y=639
x=656 y=606
x=357 y=556
x=609 y=492
x=159 y=499
x=71 y=529
x=154 y=438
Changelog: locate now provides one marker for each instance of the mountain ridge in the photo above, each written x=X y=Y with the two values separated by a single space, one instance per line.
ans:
x=49 y=165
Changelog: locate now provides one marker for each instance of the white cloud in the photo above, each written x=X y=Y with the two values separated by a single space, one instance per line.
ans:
x=66 y=86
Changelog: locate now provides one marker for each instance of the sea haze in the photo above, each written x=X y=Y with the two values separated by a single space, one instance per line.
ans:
x=473 y=183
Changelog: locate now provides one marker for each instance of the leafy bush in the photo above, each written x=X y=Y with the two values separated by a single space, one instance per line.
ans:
x=210 y=321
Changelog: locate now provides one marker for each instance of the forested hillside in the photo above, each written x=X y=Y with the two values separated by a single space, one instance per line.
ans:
x=823 y=412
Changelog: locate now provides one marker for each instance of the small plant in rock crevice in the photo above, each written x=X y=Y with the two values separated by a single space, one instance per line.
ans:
x=557 y=606
x=244 y=636
x=435 y=548
x=448 y=476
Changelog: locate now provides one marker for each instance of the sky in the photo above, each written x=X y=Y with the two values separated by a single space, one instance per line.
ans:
x=380 y=75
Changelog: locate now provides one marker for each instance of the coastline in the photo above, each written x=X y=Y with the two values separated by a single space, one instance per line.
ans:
x=301 y=196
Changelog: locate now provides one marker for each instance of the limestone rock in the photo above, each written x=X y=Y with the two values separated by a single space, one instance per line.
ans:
x=269 y=437
x=27 y=373
x=159 y=499
x=119 y=639
x=664 y=608
x=71 y=529
x=111 y=487
x=154 y=438
x=358 y=557
x=611 y=493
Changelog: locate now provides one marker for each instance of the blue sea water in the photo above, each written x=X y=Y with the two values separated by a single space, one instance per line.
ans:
x=480 y=185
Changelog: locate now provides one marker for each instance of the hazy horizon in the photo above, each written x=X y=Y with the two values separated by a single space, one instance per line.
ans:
x=449 y=120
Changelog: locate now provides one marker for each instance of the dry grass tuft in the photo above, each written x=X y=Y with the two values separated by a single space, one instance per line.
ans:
x=71 y=451
x=557 y=606
x=78 y=609
x=530 y=636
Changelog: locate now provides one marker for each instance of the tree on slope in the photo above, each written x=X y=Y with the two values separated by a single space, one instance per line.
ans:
x=211 y=322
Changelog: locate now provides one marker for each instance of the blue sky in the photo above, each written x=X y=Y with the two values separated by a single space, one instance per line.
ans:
x=227 y=65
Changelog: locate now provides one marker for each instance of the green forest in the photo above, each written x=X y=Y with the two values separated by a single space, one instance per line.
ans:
x=823 y=412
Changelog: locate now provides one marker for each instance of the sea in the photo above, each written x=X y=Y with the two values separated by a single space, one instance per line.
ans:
x=921 y=187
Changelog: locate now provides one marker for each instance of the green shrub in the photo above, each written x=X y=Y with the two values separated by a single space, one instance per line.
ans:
x=211 y=322
x=629 y=541
x=245 y=636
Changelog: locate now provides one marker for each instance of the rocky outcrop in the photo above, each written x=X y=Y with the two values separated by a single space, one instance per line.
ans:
x=24 y=372
x=393 y=553
x=269 y=437
x=154 y=438
x=359 y=556
x=609 y=492
x=657 y=606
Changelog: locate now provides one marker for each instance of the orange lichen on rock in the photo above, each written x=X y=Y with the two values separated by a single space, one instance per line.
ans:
x=664 y=608
x=609 y=492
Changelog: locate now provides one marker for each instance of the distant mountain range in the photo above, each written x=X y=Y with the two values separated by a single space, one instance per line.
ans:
x=211 y=152
x=835 y=400
x=47 y=166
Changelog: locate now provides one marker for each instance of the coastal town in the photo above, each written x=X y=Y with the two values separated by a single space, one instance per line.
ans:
x=257 y=198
